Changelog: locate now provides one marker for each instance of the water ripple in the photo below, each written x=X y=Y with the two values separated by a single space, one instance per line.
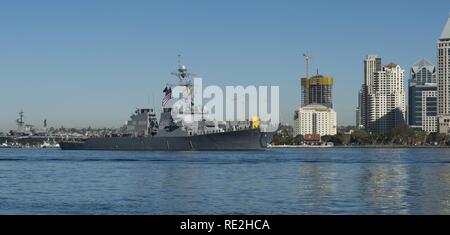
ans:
x=277 y=181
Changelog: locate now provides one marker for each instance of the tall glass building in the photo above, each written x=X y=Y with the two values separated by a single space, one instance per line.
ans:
x=422 y=97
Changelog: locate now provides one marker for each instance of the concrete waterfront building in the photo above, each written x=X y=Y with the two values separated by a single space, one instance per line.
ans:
x=443 y=79
x=422 y=97
x=372 y=64
x=317 y=90
x=315 y=119
x=386 y=99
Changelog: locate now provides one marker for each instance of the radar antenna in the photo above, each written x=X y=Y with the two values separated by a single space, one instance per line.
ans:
x=20 y=121
x=185 y=79
x=183 y=75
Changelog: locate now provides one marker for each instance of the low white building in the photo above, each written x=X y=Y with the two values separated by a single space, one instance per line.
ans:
x=315 y=119
x=444 y=124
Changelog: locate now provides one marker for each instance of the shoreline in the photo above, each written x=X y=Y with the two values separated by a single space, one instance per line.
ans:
x=358 y=146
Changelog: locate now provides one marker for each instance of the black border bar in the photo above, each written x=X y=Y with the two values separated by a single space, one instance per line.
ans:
x=222 y=223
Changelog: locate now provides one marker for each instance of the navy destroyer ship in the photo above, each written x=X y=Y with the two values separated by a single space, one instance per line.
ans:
x=143 y=132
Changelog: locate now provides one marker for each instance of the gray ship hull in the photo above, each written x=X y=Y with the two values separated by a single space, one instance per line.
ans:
x=251 y=139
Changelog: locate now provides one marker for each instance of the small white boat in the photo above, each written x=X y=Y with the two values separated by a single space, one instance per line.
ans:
x=49 y=145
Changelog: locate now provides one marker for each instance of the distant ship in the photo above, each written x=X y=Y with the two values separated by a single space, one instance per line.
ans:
x=143 y=132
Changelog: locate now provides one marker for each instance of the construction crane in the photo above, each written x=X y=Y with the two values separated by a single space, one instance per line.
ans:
x=306 y=91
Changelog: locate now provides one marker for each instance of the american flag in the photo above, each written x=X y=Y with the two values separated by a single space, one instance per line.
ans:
x=168 y=96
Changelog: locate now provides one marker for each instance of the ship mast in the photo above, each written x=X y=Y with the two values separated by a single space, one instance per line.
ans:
x=20 y=121
x=184 y=79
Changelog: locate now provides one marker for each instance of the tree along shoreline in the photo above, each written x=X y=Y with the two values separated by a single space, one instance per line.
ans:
x=404 y=137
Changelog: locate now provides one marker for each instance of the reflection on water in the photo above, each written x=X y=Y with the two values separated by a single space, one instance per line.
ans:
x=384 y=188
x=318 y=185
x=278 y=181
x=434 y=197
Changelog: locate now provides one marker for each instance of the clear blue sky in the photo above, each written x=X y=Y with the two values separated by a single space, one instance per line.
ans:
x=87 y=62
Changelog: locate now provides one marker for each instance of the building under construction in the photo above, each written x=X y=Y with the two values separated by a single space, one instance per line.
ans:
x=316 y=116
x=317 y=90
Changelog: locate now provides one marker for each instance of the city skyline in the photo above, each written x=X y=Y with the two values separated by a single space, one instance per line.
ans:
x=91 y=64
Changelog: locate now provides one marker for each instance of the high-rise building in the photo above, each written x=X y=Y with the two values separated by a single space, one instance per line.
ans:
x=361 y=109
x=372 y=64
x=317 y=90
x=358 y=117
x=315 y=119
x=386 y=99
x=422 y=97
x=443 y=79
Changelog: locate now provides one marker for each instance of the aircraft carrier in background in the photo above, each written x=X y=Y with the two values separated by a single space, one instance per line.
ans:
x=143 y=132
x=28 y=136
